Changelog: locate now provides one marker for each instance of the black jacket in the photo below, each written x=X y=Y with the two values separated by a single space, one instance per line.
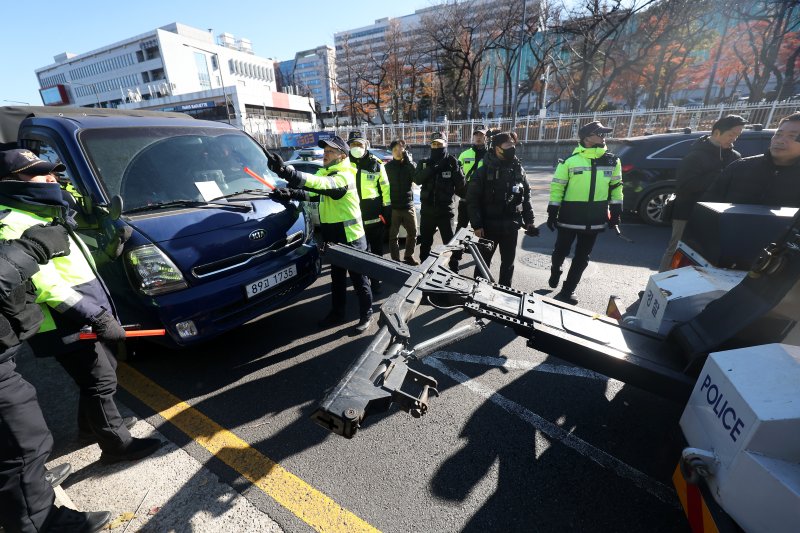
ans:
x=401 y=177
x=499 y=197
x=20 y=316
x=697 y=172
x=757 y=180
x=440 y=181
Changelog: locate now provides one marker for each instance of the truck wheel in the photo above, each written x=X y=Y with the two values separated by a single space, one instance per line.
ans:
x=652 y=205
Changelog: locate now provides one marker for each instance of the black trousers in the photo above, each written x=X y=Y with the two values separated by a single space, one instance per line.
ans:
x=94 y=369
x=564 y=240
x=506 y=241
x=375 y=234
x=431 y=219
x=26 y=499
x=360 y=282
x=463 y=215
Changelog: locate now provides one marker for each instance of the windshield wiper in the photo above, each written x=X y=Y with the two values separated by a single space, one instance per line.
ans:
x=263 y=192
x=189 y=203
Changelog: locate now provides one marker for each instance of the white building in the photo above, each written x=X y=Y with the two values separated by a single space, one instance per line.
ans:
x=313 y=72
x=179 y=68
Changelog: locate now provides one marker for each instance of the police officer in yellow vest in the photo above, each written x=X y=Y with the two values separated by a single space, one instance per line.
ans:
x=469 y=160
x=334 y=187
x=26 y=488
x=586 y=186
x=71 y=296
x=372 y=185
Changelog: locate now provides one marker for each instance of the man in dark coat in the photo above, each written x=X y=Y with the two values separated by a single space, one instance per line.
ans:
x=499 y=202
x=401 y=170
x=771 y=179
x=440 y=176
x=698 y=170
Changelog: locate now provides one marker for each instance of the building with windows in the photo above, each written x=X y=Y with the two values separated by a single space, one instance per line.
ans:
x=312 y=73
x=179 y=68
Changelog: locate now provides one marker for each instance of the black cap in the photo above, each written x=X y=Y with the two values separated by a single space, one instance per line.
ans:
x=26 y=162
x=334 y=142
x=439 y=136
x=395 y=142
x=356 y=135
x=592 y=128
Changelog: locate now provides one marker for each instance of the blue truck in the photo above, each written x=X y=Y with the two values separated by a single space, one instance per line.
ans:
x=208 y=250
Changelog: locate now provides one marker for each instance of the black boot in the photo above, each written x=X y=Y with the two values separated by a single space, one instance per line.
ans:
x=363 y=324
x=56 y=475
x=66 y=520
x=136 y=449
x=555 y=275
x=566 y=296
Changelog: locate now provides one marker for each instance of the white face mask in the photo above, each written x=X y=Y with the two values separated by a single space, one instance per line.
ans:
x=357 y=152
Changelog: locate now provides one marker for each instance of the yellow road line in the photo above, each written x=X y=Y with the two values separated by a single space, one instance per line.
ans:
x=307 y=503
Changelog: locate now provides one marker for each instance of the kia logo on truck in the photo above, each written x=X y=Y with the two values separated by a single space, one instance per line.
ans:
x=257 y=234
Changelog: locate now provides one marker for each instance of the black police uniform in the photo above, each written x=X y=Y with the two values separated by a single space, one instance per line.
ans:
x=439 y=180
x=499 y=202
x=26 y=499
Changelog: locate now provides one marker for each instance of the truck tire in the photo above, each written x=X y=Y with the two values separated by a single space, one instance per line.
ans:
x=652 y=205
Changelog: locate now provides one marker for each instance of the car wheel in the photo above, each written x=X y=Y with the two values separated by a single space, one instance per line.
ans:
x=652 y=205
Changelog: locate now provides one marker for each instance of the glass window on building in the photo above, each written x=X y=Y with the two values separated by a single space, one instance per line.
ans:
x=202 y=70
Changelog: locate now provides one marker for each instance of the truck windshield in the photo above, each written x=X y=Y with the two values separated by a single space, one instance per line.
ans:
x=157 y=165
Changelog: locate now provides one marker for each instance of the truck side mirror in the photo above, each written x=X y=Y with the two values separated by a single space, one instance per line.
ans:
x=115 y=209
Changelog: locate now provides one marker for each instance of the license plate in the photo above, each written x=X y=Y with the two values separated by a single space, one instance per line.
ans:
x=276 y=278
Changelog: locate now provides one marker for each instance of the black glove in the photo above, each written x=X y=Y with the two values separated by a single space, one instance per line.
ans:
x=107 y=327
x=280 y=194
x=45 y=242
x=386 y=212
x=552 y=217
x=275 y=163
x=116 y=245
x=284 y=194
x=531 y=230
x=615 y=215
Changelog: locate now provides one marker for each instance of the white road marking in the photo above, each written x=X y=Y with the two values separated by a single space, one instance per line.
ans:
x=612 y=386
x=623 y=470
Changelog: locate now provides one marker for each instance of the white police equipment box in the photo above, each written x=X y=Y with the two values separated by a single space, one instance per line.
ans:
x=675 y=296
x=744 y=418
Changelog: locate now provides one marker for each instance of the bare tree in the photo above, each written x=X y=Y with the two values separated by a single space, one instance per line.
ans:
x=461 y=35
x=764 y=25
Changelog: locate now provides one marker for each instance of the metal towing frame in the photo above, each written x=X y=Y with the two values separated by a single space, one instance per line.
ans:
x=760 y=309
x=381 y=375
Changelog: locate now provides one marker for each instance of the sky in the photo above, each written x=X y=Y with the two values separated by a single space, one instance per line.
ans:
x=277 y=29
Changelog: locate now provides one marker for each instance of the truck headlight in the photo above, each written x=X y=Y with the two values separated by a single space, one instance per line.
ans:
x=153 y=271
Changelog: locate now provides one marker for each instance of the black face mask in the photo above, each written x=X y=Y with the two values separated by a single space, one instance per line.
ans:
x=509 y=153
x=437 y=153
x=479 y=147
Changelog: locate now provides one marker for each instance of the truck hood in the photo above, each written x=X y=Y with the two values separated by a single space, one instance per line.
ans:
x=203 y=241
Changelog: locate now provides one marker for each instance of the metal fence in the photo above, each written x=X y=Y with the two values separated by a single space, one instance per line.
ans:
x=565 y=126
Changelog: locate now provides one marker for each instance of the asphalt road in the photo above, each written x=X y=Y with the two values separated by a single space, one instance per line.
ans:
x=517 y=441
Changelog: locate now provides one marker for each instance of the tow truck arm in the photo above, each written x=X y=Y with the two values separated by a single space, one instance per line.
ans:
x=381 y=375
x=762 y=306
